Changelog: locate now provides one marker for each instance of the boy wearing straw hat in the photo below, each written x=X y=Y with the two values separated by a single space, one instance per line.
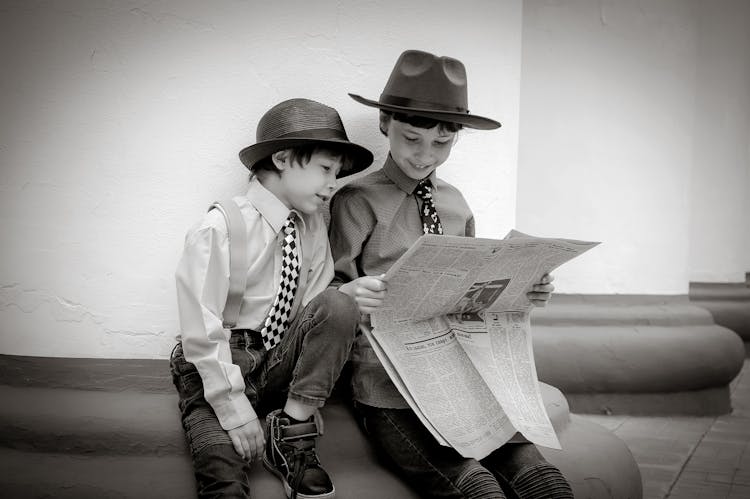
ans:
x=292 y=334
x=374 y=220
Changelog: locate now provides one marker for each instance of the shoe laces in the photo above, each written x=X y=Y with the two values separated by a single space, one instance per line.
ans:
x=298 y=450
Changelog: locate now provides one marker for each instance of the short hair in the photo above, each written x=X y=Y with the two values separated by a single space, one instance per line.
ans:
x=417 y=121
x=302 y=154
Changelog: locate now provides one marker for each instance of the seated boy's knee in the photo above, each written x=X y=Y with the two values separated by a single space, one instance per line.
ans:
x=540 y=481
x=341 y=306
x=478 y=481
x=204 y=431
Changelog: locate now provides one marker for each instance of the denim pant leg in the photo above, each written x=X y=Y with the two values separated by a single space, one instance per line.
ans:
x=308 y=360
x=219 y=471
x=433 y=470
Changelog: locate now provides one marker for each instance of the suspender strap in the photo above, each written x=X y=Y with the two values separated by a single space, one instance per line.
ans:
x=237 y=259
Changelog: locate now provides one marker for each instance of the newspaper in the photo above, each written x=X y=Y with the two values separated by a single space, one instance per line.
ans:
x=454 y=336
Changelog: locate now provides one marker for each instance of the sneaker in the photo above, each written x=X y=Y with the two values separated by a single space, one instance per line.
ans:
x=290 y=455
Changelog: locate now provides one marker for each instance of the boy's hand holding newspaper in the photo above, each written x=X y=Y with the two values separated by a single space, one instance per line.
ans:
x=542 y=291
x=368 y=292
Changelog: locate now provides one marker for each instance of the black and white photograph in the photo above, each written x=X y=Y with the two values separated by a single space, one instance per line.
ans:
x=206 y=206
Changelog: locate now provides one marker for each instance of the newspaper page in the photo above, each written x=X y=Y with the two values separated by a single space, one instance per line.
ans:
x=454 y=335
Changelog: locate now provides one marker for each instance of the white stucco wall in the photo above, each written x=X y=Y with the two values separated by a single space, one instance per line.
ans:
x=121 y=122
x=720 y=215
x=607 y=128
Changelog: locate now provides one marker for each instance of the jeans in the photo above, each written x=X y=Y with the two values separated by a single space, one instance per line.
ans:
x=304 y=367
x=515 y=470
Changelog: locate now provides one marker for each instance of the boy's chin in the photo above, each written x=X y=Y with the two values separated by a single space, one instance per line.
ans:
x=417 y=174
x=421 y=174
x=309 y=209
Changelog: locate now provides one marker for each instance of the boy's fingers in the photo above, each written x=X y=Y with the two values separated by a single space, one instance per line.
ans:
x=376 y=295
x=547 y=278
x=261 y=442
x=543 y=288
x=369 y=302
x=374 y=284
x=257 y=449
x=365 y=289
x=533 y=296
x=238 y=446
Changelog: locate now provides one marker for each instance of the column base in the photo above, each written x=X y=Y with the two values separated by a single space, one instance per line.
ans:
x=729 y=304
x=625 y=354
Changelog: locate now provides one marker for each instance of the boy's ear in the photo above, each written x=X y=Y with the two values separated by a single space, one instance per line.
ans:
x=384 y=121
x=281 y=159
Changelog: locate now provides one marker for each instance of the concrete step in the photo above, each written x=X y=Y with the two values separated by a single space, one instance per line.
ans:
x=102 y=444
x=90 y=423
x=64 y=420
x=111 y=427
x=614 y=354
x=69 y=442
x=35 y=475
x=75 y=476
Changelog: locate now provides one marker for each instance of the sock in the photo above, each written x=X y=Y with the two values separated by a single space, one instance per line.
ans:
x=293 y=420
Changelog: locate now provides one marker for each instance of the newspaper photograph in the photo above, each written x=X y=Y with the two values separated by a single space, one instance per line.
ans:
x=454 y=335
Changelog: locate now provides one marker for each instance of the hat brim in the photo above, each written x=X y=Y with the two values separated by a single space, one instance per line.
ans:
x=362 y=157
x=469 y=120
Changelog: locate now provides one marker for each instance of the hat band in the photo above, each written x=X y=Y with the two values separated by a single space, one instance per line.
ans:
x=314 y=133
x=393 y=100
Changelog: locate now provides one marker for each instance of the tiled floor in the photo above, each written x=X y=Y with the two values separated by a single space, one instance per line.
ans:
x=692 y=457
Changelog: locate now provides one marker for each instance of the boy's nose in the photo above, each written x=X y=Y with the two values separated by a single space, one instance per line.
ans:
x=423 y=154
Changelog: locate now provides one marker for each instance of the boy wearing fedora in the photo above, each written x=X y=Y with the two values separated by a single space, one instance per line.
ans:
x=292 y=335
x=374 y=220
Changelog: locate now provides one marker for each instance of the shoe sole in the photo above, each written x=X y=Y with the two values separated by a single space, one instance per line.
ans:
x=288 y=490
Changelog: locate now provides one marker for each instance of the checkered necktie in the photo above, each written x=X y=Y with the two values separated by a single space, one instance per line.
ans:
x=430 y=219
x=278 y=317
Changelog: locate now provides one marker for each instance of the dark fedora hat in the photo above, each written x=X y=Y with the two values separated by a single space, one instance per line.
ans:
x=424 y=84
x=298 y=122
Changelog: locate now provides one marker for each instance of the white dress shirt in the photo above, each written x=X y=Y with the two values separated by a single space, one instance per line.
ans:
x=203 y=283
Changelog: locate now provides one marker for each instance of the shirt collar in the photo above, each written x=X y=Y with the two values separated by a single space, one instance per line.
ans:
x=271 y=208
x=402 y=181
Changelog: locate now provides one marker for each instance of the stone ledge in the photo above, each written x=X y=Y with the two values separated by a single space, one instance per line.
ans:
x=636 y=355
x=91 y=443
x=586 y=449
x=705 y=291
x=586 y=345
x=86 y=422
x=64 y=420
x=707 y=402
x=598 y=466
x=637 y=359
x=142 y=375
x=728 y=303
x=65 y=476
